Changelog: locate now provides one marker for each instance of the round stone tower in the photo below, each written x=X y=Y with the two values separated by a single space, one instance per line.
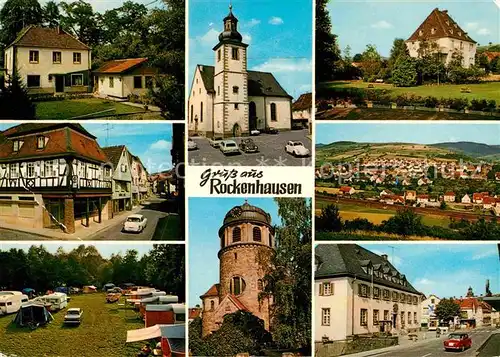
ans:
x=247 y=244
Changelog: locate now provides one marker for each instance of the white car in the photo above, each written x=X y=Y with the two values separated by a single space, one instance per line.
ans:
x=229 y=147
x=73 y=316
x=192 y=145
x=135 y=223
x=296 y=148
x=215 y=141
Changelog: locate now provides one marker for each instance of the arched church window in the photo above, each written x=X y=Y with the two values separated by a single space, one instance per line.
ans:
x=212 y=305
x=191 y=113
x=237 y=285
x=201 y=112
x=257 y=235
x=236 y=234
x=274 y=114
x=236 y=89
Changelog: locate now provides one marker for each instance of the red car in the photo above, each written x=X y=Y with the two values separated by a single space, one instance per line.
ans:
x=458 y=341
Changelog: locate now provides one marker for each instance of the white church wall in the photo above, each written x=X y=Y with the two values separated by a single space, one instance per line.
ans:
x=198 y=121
x=283 y=112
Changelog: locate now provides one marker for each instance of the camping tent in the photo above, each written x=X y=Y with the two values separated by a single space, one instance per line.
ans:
x=28 y=291
x=62 y=289
x=33 y=313
x=108 y=286
x=89 y=289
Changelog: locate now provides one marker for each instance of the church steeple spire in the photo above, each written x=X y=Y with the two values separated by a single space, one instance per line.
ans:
x=230 y=32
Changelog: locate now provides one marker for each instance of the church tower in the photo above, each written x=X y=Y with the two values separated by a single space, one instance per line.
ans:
x=247 y=245
x=230 y=81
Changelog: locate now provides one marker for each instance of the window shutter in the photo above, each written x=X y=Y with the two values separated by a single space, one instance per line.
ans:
x=368 y=291
x=331 y=289
x=320 y=289
x=359 y=290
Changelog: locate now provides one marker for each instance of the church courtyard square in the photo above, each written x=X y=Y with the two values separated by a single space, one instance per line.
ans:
x=271 y=151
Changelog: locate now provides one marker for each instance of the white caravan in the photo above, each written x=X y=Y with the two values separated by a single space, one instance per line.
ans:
x=57 y=301
x=11 y=301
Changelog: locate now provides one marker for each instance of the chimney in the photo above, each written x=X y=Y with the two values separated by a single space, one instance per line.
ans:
x=384 y=256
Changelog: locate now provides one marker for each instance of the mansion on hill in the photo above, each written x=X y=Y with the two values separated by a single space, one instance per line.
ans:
x=441 y=29
x=229 y=100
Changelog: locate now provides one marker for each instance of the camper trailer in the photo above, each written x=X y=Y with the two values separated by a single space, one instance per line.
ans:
x=57 y=301
x=165 y=314
x=156 y=300
x=11 y=301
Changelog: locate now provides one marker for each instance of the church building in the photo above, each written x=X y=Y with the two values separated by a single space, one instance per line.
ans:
x=229 y=100
x=247 y=244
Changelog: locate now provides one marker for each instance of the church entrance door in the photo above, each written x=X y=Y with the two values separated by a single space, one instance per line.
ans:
x=236 y=130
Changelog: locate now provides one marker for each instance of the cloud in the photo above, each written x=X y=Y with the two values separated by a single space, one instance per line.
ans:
x=247 y=38
x=161 y=145
x=285 y=65
x=471 y=25
x=382 y=24
x=483 y=31
x=210 y=37
x=276 y=20
x=252 y=23
x=482 y=255
x=424 y=281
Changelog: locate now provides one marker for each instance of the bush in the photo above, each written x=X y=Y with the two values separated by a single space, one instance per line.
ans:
x=359 y=224
x=404 y=73
x=458 y=103
x=431 y=102
x=478 y=104
x=329 y=219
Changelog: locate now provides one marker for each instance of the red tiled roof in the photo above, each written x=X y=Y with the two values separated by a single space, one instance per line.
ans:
x=213 y=291
x=304 y=102
x=472 y=302
x=422 y=196
x=194 y=312
x=477 y=196
x=63 y=140
x=120 y=65
x=443 y=25
x=450 y=194
x=489 y=200
x=491 y=55
x=33 y=36
x=114 y=153
x=345 y=189
x=238 y=303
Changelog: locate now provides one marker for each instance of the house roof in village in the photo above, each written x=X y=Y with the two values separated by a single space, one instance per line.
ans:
x=194 y=312
x=213 y=291
x=35 y=36
x=237 y=302
x=443 y=25
x=114 y=153
x=337 y=260
x=472 y=302
x=64 y=139
x=120 y=65
x=259 y=83
x=449 y=193
x=491 y=55
x=303 y=103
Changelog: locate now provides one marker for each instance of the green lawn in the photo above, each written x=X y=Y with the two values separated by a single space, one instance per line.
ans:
x=486 y=90
x=70 y=108
x=396 y=114
x=102 y=333
x=168 y=228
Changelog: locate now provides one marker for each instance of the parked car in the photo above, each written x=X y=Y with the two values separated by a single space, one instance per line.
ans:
x=192 y=145
x=458 y=341
x=73 y=316
x=215 y=141
x=271 y=131
x=229 y=147
x=135 y=223
x=254 y=132
x=296 y=148
x=248 y=145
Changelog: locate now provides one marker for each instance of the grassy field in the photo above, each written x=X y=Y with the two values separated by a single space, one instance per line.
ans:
x=377 y=215
x=70 y=108
x=102 y=333
x=486 y=90
x=372 y=236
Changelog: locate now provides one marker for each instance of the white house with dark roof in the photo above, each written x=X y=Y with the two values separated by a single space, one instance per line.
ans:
x=122 y=77
x=441 y=29
x=358 y=292
x=49 y=60
x=229 y=100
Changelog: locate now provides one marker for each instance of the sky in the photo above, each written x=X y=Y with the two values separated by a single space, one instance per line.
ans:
x=279 y=35
x=361 y=22
x=106 y=249
x=151 y=142
x=446 y=270
x=421 y=133
x=206 y=216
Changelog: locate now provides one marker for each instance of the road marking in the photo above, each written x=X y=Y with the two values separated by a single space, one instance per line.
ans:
x=428 y=354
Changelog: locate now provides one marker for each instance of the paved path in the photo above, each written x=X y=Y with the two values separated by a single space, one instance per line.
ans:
x=271 y=151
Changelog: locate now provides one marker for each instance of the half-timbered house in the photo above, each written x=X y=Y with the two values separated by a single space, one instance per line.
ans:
x=121 y=160
x=53 y=176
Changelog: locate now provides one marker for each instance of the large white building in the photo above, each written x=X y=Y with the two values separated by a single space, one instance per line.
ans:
x=429 y=318
x=441 y=29
x=229 y=100
x=358 y=292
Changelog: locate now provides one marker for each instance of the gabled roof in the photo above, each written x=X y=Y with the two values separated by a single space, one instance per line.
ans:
x=194 y=312
x=439 y=25
x=114 y=153
x=303 y=103
x=213 y=291
x=63 y=140
x=120 y=65
x=259 y=83
x=339 y=260
x=237 y=302
x=35 y=36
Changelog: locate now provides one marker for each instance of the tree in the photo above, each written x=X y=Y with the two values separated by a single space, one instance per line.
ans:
x=51 y=15
x=168 y=94
x=14 y=100
x=406 y=222
x=16 y=15
x=404 y=72
x=329 y=220
x=443 y=205
x=371 y=62
x=288 y=280
x=327 y=49
x=398 y=51
x=447 y=309
x=357 y=57
x=80 y=20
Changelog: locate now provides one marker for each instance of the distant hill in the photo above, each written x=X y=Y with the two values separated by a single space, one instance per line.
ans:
x=492 y=48
x=470 y=148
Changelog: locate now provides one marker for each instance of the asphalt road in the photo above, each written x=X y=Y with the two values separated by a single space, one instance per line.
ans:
x=114 y=232
x=271 y=151
x=435 y=348
x=492 y=347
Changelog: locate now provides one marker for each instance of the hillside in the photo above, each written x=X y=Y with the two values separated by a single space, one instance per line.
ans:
x=471 y=148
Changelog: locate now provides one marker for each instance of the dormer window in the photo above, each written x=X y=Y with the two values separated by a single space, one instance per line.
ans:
x=40 y=142
x=17 y=145
x=433 y=31
x=420 y=33
x=451 y=31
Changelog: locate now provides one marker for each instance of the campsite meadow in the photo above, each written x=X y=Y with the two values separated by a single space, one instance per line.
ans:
x=103 y=331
